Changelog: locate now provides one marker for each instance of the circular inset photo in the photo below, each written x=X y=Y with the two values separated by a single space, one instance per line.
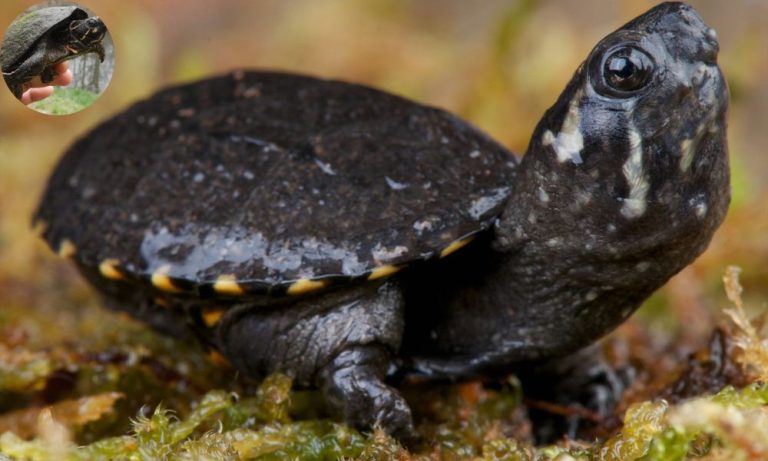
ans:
x=57 y=59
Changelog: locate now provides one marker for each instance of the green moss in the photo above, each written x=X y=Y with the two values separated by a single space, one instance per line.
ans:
x=222 y=427
x=65 y=101
x=642 y=423
x=468 y=422
x=22 y=371
x=752 y=396
x=18 y=448
x=669 y=445
x=504 y=450
x=688 y=429
x=271 y=404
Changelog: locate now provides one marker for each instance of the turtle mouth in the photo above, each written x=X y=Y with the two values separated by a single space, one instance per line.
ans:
x=710 y=46
x=708 y=107
x=711 y=94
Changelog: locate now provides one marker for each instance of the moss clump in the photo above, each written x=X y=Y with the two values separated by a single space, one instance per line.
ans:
x=22 y=370
x=219 y=427
x=752 y=347
x=642 y=422
x=733 y=423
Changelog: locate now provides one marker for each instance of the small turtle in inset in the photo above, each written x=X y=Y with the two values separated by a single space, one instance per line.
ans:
x=343 y=235
x=42 y=38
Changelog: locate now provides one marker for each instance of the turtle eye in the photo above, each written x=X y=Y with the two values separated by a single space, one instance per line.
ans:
x=627 y=69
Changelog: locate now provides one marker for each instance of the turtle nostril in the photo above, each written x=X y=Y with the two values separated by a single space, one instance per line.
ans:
x=710 y=46
x=700 y=76
x=712 y=35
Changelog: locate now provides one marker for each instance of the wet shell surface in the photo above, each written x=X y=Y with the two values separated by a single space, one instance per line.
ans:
x=255 y=181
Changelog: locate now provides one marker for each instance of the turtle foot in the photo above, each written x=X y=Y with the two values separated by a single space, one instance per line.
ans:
x=354 y=391
x=573 y=396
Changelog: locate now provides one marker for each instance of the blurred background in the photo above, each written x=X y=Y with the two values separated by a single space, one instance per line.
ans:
x=497 y=63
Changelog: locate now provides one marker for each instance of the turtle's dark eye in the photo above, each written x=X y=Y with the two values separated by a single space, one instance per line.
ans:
x=627 y=69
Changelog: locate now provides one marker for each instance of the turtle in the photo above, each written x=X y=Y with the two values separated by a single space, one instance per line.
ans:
x=39 y=40
x=352 y=238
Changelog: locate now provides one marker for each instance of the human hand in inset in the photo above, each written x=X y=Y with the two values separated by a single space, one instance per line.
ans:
x=37 y=90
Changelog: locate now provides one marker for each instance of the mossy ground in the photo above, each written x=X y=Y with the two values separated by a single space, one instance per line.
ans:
x=126 y=393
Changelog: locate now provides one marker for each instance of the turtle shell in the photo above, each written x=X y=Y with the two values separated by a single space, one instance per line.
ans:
x=261 y=181
x=26 y=31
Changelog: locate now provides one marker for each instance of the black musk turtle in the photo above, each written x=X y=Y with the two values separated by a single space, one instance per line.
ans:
x=42 y=38
x=346 y=236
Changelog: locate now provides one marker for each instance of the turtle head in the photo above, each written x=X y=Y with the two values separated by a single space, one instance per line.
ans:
x=85 y=33
x=634 y=150
x=626 y=176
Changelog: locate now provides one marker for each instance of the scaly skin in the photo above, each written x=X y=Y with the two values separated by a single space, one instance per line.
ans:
x=616 y=193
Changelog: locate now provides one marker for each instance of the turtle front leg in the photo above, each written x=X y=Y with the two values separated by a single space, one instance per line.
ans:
x=582 y=381
x=354 y=390
x=54 y=58
x=342 y=343
x=48 y=74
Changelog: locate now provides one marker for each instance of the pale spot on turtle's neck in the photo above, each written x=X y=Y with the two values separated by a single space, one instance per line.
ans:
x=569 y=142
x=635 y=204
